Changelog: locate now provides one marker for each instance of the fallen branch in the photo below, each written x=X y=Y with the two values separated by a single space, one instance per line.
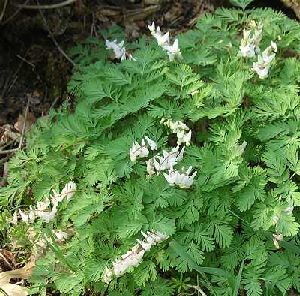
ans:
x=46 y=6
x=3 y=10
x=9 y=151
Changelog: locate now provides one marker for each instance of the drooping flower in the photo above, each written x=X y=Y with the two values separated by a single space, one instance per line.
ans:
x=43 y=209
x=168 y=159
x=27 y=217
x=182 y=131
x=47 y=216
x=141 y=150
x=251 y=38
x=14 y=218
x=150 y=167
x=43 y=205
x=69 y=190
x=107 y=275
x=173 y=51
x=118 y=49
x=151 y=143
x=151 y=238
x=60 y=235
x=276 y=239
x=181 y=179
x=264 y=60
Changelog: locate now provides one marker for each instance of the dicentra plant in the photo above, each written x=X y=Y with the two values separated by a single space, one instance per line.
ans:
x=177 y=165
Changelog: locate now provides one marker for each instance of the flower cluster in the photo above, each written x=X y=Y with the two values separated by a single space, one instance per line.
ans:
x=251 y=38
x=250 y=48
x=168 y=159
x=181 y=179
x=165 y=162
x=134 y=256
x=118 y=49
x=182 y=131
x=142 y=151
x=43 y=210
x=264 y=60
x=163 y=40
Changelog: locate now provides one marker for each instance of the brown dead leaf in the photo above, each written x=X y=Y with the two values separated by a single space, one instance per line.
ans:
x=7 y=134
x=23 y=122
x=21 y=273
x=7 y=260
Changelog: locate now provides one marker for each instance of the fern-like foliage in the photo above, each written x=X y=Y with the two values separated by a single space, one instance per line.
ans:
x=245 y=148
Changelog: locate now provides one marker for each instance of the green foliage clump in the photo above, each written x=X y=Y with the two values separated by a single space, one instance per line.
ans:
x=235 y=230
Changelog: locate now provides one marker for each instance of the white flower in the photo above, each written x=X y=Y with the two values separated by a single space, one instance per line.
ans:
x=181 y=179
x=151 y=143
x=138 y=151
x=43 y=205
x=173 y=51
x=141 y=151
x=264 y=60
x=150 y=167
x=107 y=275
x=43 y=210
x=152 y=28
x=261 y=70
x=182 y=131
x=47 y=216
x=29 y=217
x=14 y=219
x=251 y=39
x=118 y=49
x=69 y=190
x=277 y=238
x=168 y=159
x=60 y=235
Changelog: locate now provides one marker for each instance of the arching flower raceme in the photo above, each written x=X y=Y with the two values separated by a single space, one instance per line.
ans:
x=163 y=40
x=134 y=256
x=43 y=210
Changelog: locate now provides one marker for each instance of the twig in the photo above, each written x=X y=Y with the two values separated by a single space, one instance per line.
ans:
x=197 y=288
x=24 y=125
x=12 y=16
x=25 y=61
x=3 y=10
x=54 y=40
x=2 y=291
x=9 y=151
x=46 y=6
